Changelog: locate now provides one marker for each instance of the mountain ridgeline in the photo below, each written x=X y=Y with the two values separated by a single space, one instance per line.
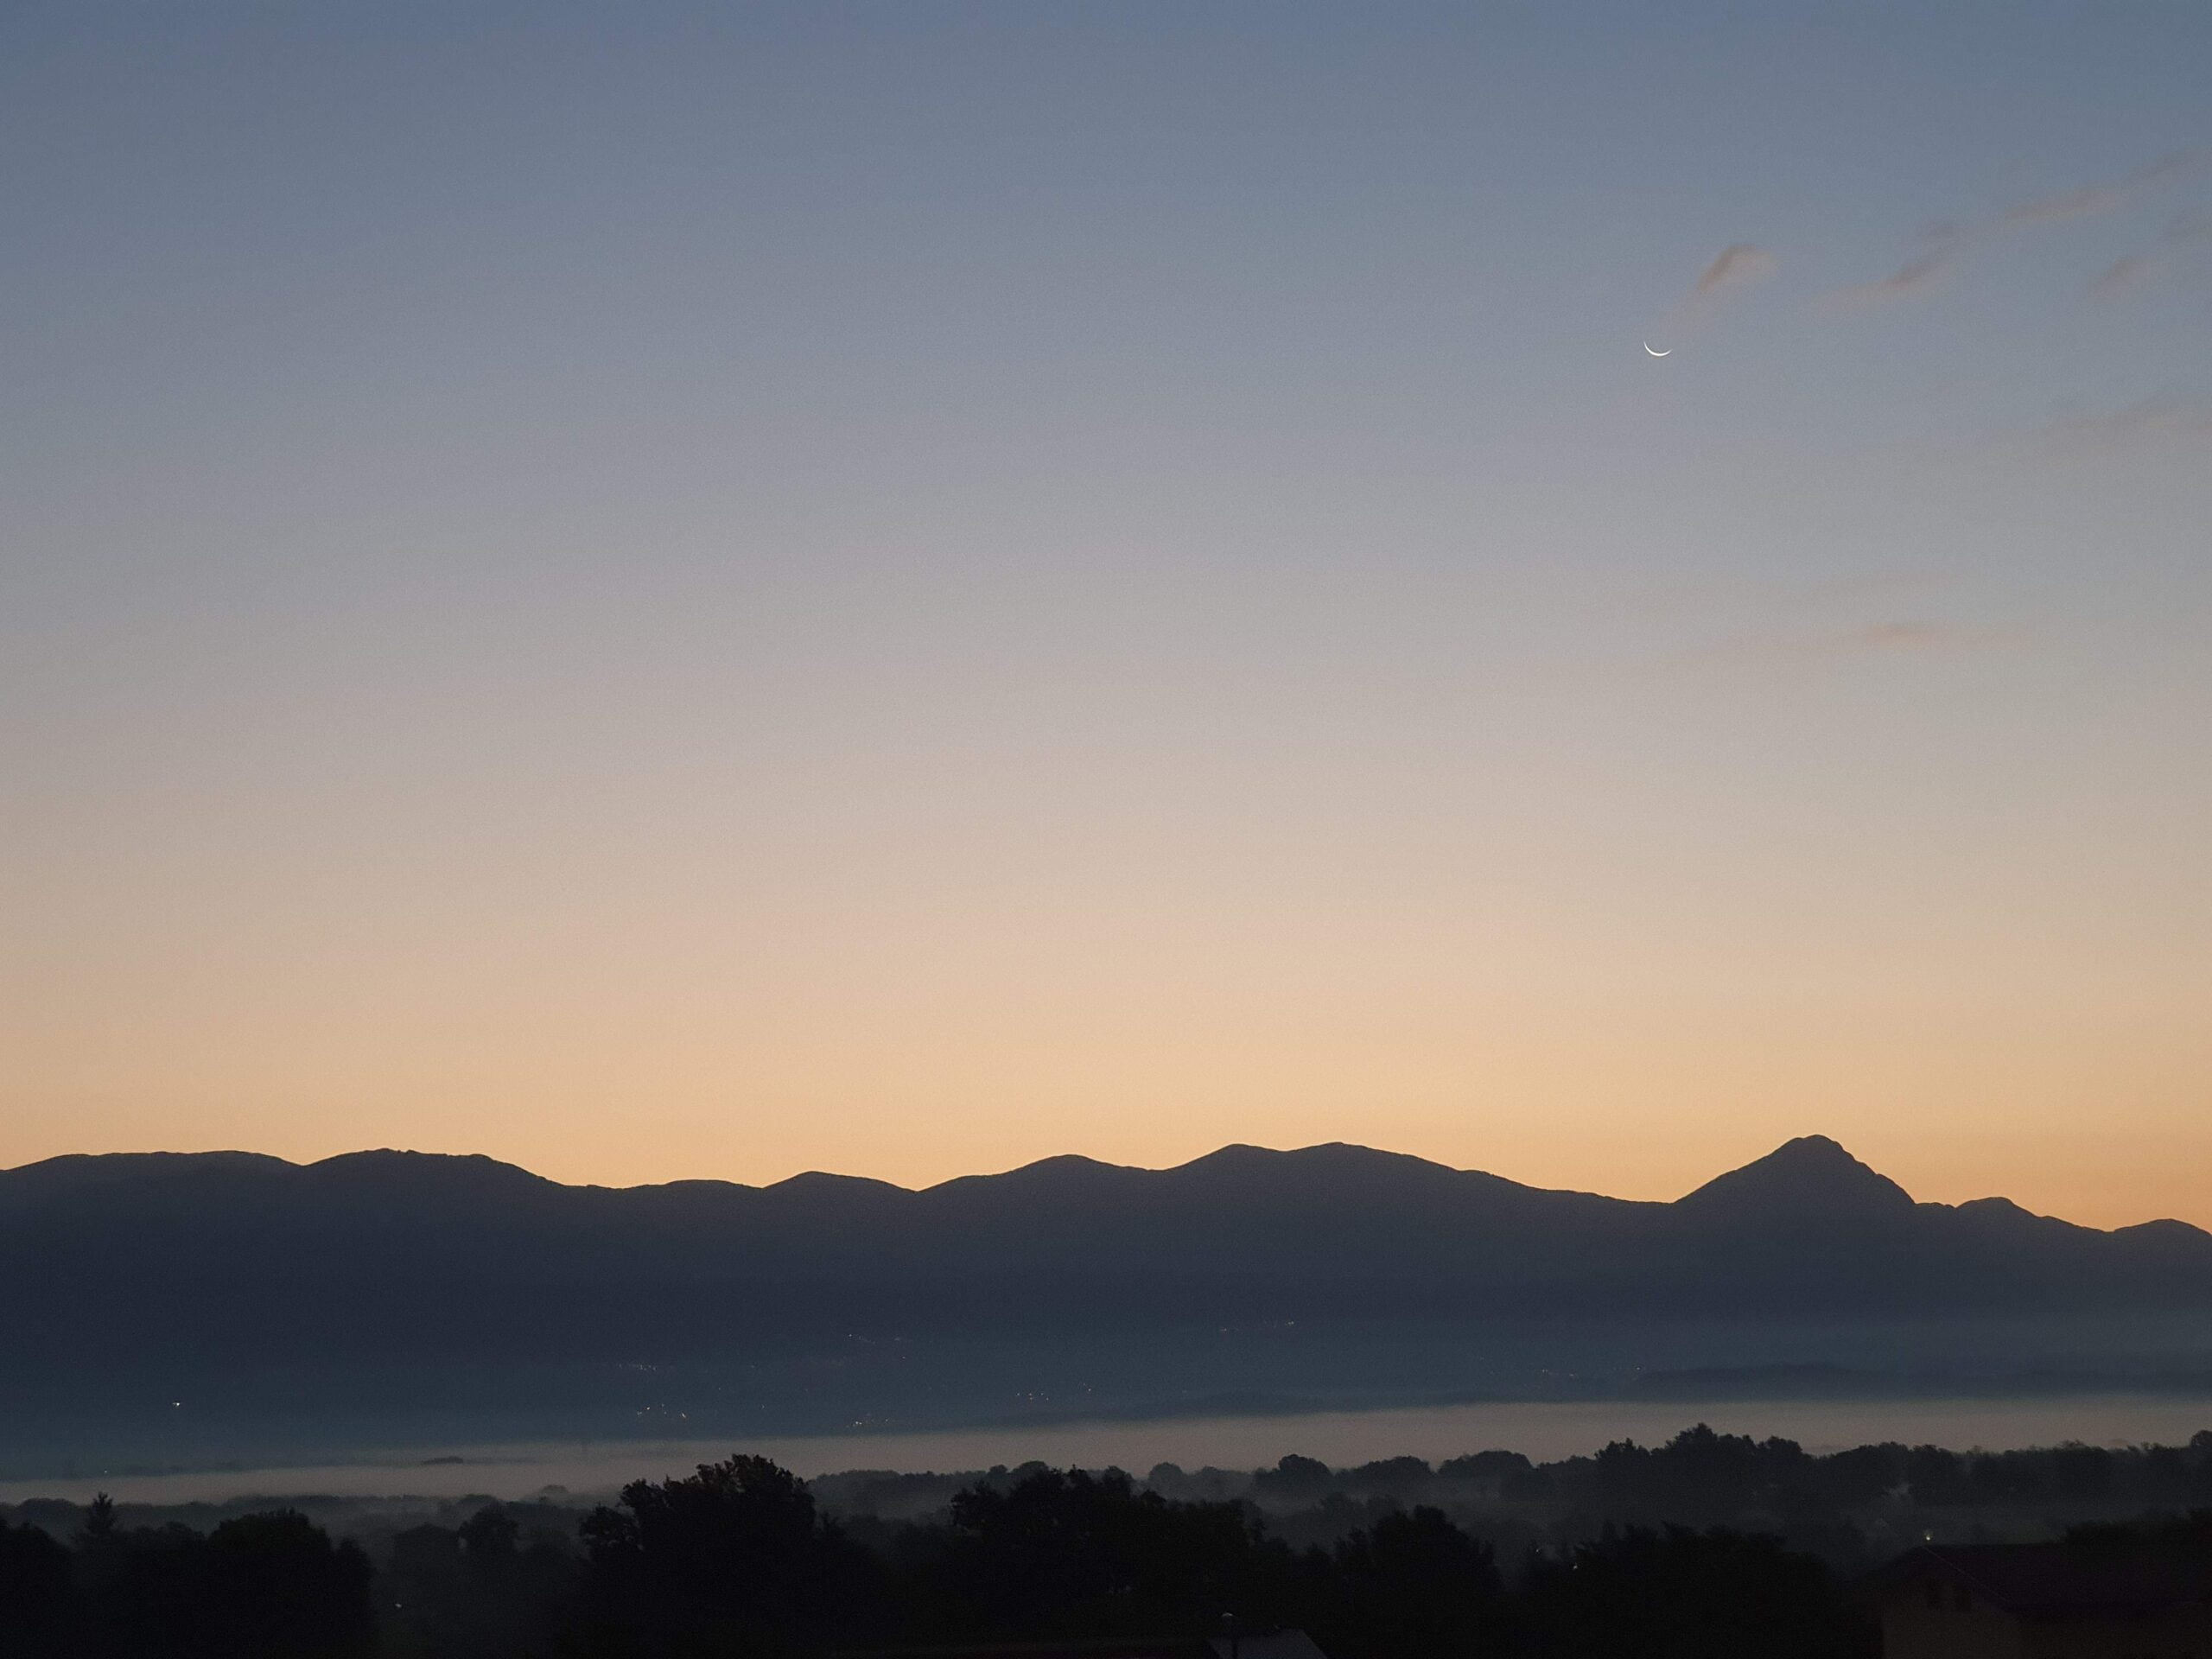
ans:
x=405 y=1248
x=121 y=1274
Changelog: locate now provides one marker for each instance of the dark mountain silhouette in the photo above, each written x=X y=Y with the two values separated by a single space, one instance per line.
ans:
x=126 y=1277
x=1810 y=1180
x=1241 y=1232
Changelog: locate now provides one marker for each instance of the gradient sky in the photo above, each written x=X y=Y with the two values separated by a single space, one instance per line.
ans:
x=669 y=591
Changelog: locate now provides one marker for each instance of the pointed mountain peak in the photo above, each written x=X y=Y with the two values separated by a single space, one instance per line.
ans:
x=1811 y=1177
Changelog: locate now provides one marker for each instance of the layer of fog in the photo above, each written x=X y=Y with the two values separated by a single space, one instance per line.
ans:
x=1542 y=1430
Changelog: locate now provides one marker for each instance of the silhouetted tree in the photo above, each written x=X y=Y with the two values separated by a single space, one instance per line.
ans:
x=35 y=1592
x=1508 y=1473
x=1293 y=1476
x=1083 y=1554
x=1679 y=1594
x=99 y=1520
x=279 y=1588
x=260 y=1587
x=2080 y=1472
x=1404 y=1478
x=1412 y=1584
x=732 y=1558
x=487 y=1541
x=480 y=1592
x=1846 y=1479
x=1936 y=1476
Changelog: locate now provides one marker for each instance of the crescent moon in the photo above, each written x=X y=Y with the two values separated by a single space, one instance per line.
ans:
x=1669 y=352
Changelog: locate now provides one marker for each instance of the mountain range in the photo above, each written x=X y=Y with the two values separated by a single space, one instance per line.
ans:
x=127 y=1277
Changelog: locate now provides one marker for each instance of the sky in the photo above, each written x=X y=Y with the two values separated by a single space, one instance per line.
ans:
x=665 y=591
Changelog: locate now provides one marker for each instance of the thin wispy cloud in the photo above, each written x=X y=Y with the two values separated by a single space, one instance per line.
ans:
x=2172 y=426
x=1704 y=596
x=2131 y=271
x=1777 y=650
x=2123 y=274
x=2167 y=416
x=1906 y=636
x=1741 y=264
x=1951 y=239
x=2098 y=198
x=1910 y=280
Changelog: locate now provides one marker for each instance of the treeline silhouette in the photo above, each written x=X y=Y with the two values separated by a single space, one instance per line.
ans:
x=737 y=1559
x=270 y=1584
x=1852 y=1508
x=1683 y=1549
